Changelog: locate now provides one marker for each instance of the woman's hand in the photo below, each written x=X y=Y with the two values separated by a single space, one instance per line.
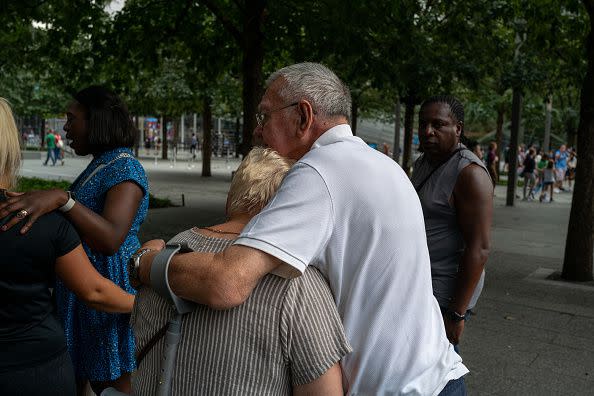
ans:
x=33 y=203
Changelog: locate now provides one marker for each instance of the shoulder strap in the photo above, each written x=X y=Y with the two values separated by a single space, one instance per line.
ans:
x=101 y=166
x=152 y=342
x=421 y=184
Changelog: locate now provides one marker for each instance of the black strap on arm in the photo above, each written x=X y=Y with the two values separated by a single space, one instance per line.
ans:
x=149 y=345
x=421 y=184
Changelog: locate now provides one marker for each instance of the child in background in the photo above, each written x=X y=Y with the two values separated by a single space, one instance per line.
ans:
x=548 y=180
x=541 y=164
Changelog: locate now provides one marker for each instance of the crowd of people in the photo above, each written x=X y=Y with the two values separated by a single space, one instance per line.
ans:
x=543 y=173
x=334 y=273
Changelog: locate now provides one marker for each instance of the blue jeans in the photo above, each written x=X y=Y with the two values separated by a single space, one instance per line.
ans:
x=455 y=387
x=50 y=154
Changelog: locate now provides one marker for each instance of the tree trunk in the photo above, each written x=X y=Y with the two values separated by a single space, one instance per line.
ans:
x=499 y=130
x=577 y=263
x=396 y=148
x=42 y=133
x=512 y=174
x=237 y=144
x=138 y=135
x=176 y=134
x=547 y=134
x=253 y=58
x=164 y=147
x=207 y=136
x=354 y=117
x=409 y=115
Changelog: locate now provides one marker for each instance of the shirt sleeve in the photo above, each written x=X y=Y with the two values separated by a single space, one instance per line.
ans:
x=66 y=238
x=296 y=224
x=125 y=169
x=312 y=334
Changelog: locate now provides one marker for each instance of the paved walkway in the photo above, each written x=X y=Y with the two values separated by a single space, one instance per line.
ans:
x=529 y=336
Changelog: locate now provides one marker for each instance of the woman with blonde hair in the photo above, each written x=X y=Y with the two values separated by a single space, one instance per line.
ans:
x=287 y=338
x=34 y=358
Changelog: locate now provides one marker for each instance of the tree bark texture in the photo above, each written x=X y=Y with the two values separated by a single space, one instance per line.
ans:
x=577 y=263
x=512 y=174
x=164 y=145
x=253 y=58
x=546 y=145
x=396 y=147
x=499 y=131
x=206 y=136
x=409 y=115
x=354 y=117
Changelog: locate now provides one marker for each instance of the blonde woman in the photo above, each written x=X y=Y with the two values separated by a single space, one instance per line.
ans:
x=34 y=358
x=287 y=337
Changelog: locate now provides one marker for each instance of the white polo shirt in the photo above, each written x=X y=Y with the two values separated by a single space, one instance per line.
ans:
x=352 y=212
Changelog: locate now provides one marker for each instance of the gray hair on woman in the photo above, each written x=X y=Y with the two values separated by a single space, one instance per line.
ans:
x=256 y=180
x=314 y=82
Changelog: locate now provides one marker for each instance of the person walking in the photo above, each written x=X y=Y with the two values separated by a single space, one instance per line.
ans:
x=50 y=145
x=529 y=175
x=549 y=175
x=492 y=161
x=352 y=212
x=561 y=157
x=107 y=203
x=59 y=150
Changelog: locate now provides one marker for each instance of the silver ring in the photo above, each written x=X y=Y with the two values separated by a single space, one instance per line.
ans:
x=22 y=214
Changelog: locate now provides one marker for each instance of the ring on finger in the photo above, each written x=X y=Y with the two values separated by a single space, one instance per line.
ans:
x=22 y=214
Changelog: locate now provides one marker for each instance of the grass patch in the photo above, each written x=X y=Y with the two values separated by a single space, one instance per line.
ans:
x=156 y=203
x=35 y=183
x=520 y=183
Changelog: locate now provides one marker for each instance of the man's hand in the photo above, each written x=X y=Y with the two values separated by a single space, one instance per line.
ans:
x=154 y=244
x=453 y=330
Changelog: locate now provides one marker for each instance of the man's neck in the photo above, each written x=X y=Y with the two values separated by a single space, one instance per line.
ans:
x=438 y=159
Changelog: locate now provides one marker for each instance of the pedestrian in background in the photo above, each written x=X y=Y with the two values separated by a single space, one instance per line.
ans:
x=561 y=157
x=492 y=161
x=528 y=174
x=107 y=203
x=50 y=145
x=59 y=150
x=548 y=181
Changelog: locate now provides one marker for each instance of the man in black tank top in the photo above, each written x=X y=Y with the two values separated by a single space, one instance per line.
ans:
x=456 y=194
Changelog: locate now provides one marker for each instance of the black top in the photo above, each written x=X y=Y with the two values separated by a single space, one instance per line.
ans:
x=29 y=329
x=529 y=164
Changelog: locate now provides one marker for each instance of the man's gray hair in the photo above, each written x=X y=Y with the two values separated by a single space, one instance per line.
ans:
x=314 y=82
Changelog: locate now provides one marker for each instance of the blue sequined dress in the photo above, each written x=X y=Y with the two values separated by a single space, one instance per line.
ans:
x=102 y=344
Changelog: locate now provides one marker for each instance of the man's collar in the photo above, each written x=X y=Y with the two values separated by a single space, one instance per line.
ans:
x=332 y=135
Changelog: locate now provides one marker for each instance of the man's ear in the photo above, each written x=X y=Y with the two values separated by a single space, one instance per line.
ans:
x=306 y=115
x=459 y=128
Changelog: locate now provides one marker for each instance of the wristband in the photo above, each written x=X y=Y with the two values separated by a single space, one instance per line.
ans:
x=68 y=205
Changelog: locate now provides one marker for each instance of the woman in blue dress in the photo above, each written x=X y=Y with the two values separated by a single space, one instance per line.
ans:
x=107 y=203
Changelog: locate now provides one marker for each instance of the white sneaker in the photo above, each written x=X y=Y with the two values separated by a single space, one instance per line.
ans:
x=557 y=190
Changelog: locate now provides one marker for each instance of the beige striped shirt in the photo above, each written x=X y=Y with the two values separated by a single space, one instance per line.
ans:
x=287 y=333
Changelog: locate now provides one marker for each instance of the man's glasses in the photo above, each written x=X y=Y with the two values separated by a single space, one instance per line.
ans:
x=261 y=116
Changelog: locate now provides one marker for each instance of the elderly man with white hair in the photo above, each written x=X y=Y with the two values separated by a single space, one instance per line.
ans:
x=352 y=213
